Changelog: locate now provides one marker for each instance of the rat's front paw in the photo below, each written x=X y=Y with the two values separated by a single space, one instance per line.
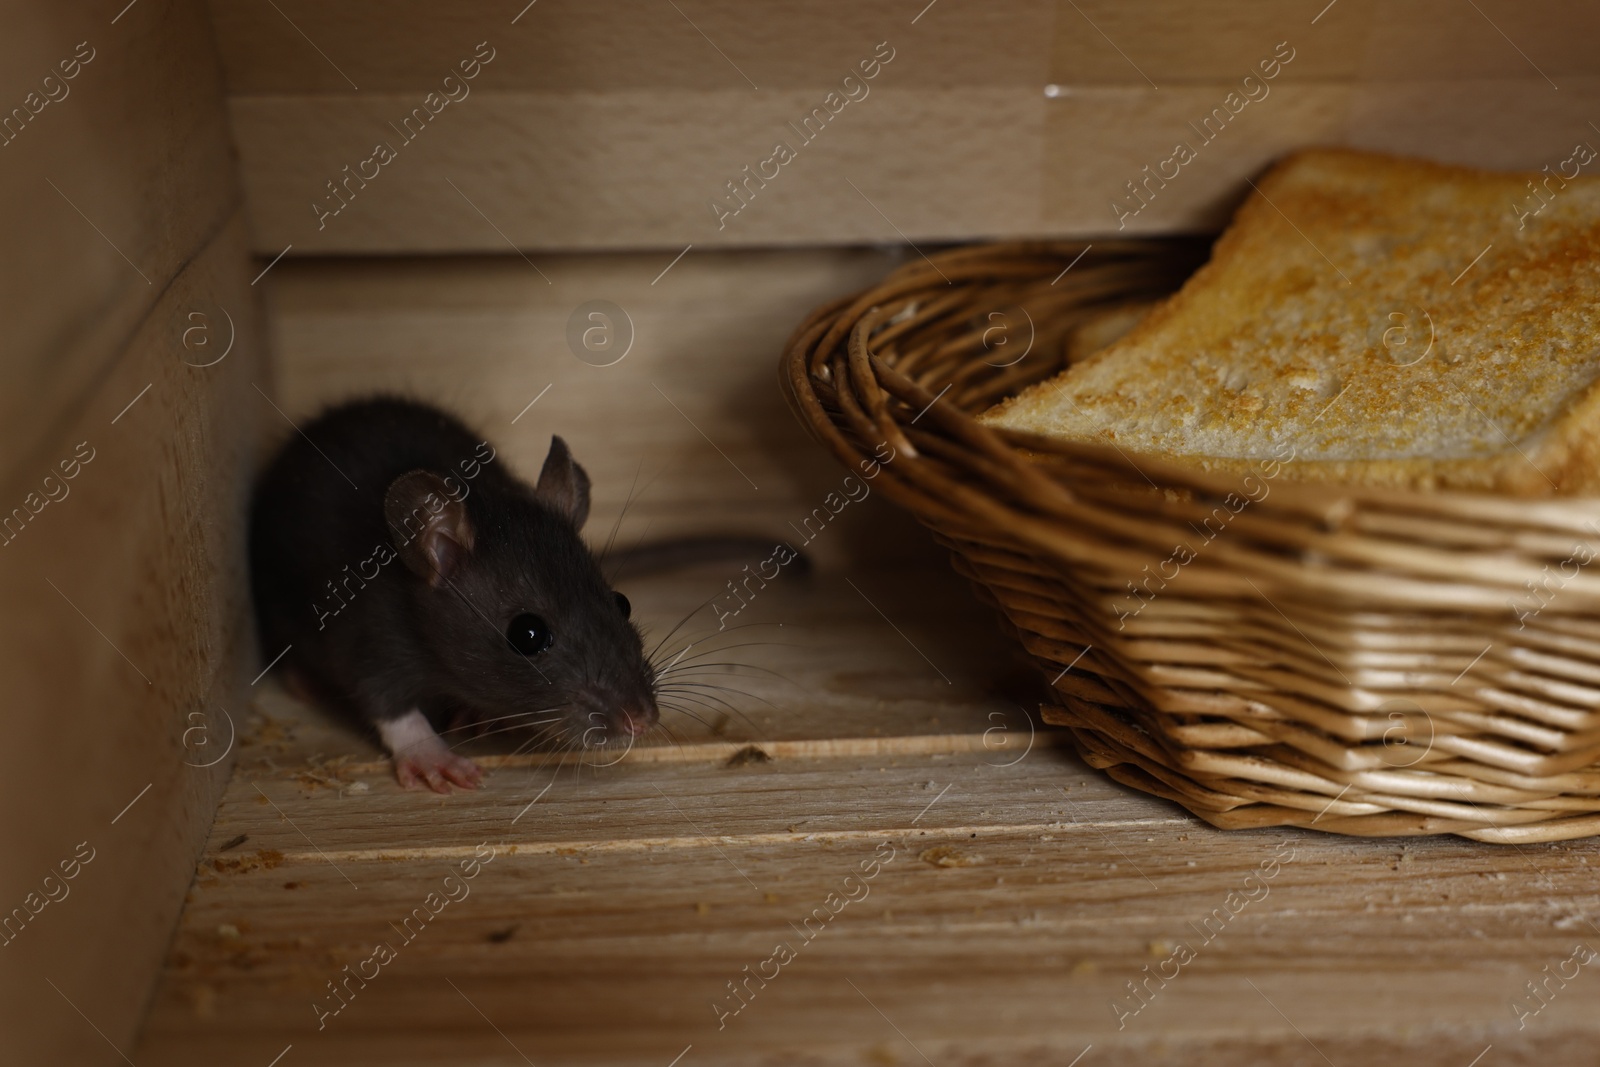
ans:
x=436 y=769
x=421 y=758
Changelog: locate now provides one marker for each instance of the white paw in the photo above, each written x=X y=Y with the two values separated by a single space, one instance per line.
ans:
x=422 y=759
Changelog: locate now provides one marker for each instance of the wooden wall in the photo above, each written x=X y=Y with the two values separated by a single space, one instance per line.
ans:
x=616 y=125
x=124 y=633
x=687 y=432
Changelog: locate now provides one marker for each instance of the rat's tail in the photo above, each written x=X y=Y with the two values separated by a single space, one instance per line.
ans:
x=679 y=552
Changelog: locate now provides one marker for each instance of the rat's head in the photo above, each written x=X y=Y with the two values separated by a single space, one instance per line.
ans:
x=513 y=607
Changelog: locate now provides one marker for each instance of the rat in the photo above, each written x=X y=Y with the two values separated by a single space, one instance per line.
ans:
x=406 y=575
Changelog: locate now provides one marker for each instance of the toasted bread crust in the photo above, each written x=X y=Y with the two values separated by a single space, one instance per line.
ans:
x=1347 y=313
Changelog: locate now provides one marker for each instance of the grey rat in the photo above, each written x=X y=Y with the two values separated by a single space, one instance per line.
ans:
x=417 y=582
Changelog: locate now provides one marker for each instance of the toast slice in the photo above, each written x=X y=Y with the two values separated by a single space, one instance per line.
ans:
x=1381 y=321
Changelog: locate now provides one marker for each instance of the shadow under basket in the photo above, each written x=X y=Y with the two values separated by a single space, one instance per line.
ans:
x=1261 y=650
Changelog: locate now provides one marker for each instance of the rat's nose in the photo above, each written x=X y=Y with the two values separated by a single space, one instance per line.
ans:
x=636 y=719
x=610 y=718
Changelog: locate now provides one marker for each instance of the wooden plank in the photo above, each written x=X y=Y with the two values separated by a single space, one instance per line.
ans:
x=126 y=460
x=555 y=171
x=572 y=46
x=124 y=657
x=569 y=46
x=987 y=122
x=1501 y=124
x=116 y=184
x=1018 y=903
x=1103 y=42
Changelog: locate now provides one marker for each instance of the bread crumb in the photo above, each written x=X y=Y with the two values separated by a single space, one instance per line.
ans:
x=748 y=754
x=264 y=859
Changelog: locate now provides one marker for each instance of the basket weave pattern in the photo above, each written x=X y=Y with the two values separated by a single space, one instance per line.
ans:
x=1261 y=650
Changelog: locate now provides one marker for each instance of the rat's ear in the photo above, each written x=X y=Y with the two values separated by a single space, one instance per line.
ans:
x=563 y=484
x=428 y=525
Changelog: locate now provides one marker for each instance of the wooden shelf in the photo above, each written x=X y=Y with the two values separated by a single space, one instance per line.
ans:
x=1018 y=903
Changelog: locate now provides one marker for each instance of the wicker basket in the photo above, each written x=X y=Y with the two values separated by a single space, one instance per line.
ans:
x=1360 y=661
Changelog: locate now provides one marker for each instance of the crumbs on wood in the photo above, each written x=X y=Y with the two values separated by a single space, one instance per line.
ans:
x=749 y=754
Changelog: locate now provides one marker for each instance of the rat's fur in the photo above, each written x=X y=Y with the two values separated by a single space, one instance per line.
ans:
x=427 y=631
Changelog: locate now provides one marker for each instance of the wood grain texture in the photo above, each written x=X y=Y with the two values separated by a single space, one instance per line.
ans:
x=123 y=479
x=1507 y=124
x=570 y=46
x=957 y=138
x=110 y=190
x=553 y=171
x=1018 y=903
x=1218 y=41
x=124 y=655
x=619 y=45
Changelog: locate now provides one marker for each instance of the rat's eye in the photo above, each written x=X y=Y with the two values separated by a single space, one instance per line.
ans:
x=529 y=635
x=623 y=606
